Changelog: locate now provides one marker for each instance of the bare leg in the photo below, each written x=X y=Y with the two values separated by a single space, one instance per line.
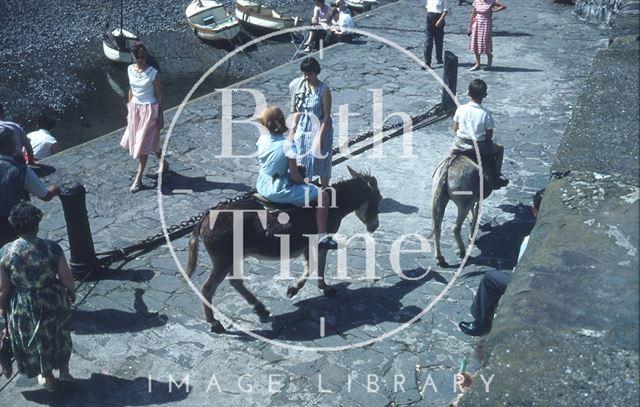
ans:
x=137 y=181
x=322 y=211
x=477 y=65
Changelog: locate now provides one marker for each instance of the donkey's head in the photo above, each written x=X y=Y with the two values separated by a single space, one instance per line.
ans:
x=369 y=196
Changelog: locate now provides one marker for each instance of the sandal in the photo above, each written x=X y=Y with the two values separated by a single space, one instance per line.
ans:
x=136 y=186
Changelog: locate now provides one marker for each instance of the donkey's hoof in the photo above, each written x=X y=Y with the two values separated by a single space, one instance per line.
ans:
x=292 y=291
x=263 y=312
x=329 y=290
x=441 y=261
x=217 y=328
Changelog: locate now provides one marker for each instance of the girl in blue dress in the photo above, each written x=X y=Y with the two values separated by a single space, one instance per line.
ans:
x=311 y=104
x=280 y=181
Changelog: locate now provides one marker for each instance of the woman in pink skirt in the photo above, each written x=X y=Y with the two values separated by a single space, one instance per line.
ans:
x=145 y=117
x=480 y=29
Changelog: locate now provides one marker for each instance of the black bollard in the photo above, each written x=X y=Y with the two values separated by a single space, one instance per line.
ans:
x=450 y=78
x=83 y=256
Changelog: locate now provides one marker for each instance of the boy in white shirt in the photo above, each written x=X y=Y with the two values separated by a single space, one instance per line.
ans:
x=42 y=142
x=472 y=121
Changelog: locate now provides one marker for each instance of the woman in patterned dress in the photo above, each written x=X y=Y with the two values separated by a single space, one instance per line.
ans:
x=480 y=29
x=36 y=288
x=313 y=129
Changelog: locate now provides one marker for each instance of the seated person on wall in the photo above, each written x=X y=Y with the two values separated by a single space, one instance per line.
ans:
x=341 y=25
x=472 y=121
x=42 y=142
x=320 y=23
x=492 y=286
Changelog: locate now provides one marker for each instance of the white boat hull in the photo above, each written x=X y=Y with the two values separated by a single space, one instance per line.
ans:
x=261 y=17
x=210 y=21
x=361 y=5
x=120 y=52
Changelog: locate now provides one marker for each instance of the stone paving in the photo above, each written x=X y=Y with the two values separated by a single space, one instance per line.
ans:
x=138 y=330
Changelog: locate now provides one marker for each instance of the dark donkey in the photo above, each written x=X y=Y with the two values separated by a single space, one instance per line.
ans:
x=359 y=194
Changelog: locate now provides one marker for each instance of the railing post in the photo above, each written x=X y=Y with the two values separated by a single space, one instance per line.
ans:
x=83 y=256
x=450 y=78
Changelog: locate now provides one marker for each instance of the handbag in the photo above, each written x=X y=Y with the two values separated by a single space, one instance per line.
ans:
x=6 y=354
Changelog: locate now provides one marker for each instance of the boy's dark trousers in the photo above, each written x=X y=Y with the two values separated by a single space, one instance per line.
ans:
x=436 y=34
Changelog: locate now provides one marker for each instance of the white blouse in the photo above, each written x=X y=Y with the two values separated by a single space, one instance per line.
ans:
x=142 y=85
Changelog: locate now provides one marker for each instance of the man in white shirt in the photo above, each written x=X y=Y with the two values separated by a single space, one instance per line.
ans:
x=341 y=24
x=436 y=11
x=42 y=142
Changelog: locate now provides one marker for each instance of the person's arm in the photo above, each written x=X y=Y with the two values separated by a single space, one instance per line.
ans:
x=445 y=11
x=326 y=114
x=64 y=274
x=36 y=187
x=499 y=6
x=315 y=17
x=472 y=19
x=456 y=127
x=488 y=134
x=158 y=91
x=55 y=148
x=5 y=286
x=26 y=144
x=294 y=174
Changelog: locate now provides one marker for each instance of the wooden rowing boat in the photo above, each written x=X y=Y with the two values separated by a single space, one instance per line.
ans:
x=210 y=21
x=256 y=16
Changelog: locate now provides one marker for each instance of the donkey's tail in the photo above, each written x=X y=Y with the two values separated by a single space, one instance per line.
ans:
x=194 y=242
x=439 y=190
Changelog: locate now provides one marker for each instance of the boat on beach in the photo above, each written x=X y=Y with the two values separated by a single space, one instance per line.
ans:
x=210 y=21
x=361 y=5
x=116 y=44
x=256 y=16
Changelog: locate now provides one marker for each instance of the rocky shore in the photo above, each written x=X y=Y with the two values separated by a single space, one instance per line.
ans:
x=52 y=60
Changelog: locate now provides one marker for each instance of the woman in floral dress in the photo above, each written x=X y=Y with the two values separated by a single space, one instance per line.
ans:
x=36 y=288
x=480 y=29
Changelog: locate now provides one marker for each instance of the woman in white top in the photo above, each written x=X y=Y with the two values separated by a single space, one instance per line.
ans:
x=145 y=117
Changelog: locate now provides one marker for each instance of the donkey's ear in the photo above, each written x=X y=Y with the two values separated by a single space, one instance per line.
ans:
x=354 y=173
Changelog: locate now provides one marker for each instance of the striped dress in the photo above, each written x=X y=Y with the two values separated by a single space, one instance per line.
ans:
x=316 y=163
x=480 y=42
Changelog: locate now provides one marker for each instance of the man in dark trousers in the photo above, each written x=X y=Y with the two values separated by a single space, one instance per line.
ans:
x=492 y=287
x=436 y=11
x=14 y=179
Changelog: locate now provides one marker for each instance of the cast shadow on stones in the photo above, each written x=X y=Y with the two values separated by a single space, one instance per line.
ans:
x=114 y=321
x=118 y=274
x=176 y=183
x=390 y=205
x=109 y=391
x=499 y=247
x=43 y=170
x=510 y=34
x=349 y=309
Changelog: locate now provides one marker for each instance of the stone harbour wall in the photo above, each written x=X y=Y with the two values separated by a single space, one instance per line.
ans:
x=606 y=11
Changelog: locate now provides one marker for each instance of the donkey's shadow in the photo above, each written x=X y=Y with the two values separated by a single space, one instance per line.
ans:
x=349 y=309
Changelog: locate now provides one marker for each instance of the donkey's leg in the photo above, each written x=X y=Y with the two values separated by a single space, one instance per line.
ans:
x=464 y=206
x=474 y=219
x=209 y=288
x=437 y=214
x=299 y=283
x=258 y=306
x=322 y=261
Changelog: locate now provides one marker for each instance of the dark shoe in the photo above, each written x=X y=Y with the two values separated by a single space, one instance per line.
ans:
x=473 y=328
x=500 y=182
x=440 y=63
x=328 y=244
